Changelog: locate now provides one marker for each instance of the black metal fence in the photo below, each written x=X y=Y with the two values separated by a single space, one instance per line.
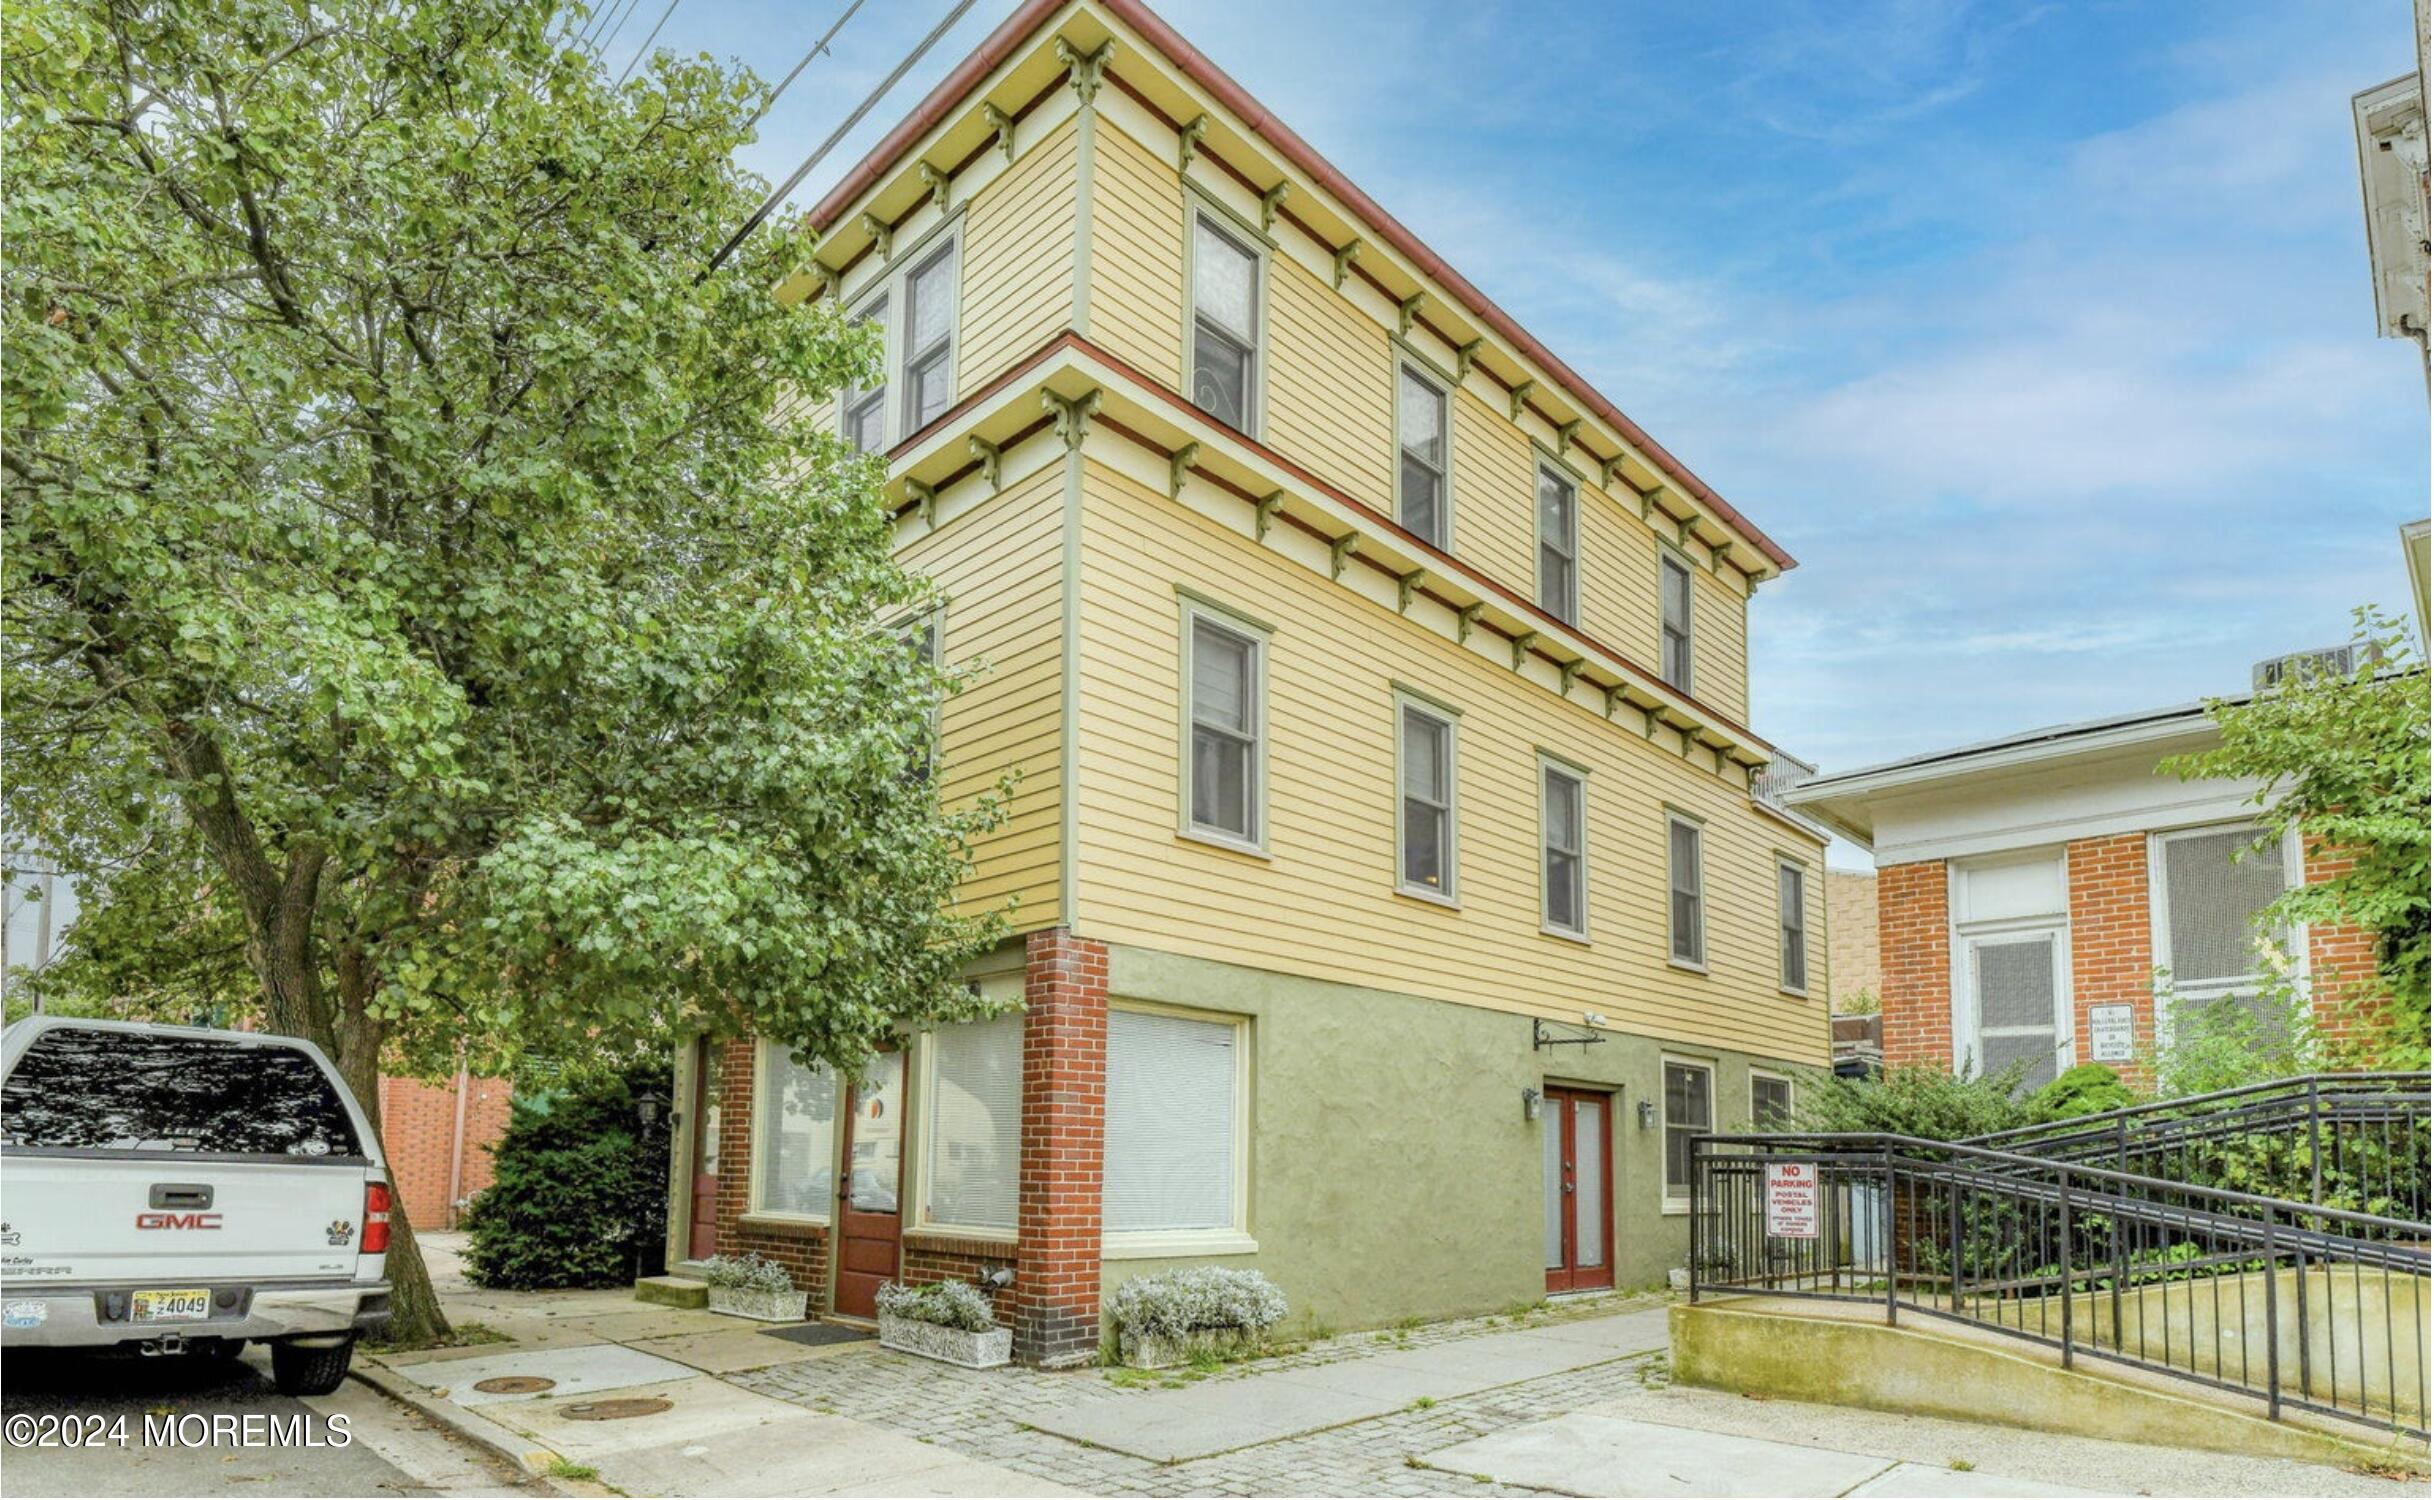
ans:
x=2300 y=1304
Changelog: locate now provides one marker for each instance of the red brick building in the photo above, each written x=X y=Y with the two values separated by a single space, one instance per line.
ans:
x=438 y=1137
x=2041 y=896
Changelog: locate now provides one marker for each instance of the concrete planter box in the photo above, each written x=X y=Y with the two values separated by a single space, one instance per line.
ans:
x=954 y=1346
x=1149 y=1351
x=768 y=1307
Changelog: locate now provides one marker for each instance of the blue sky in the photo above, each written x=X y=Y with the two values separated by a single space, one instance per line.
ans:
x=2040 y=334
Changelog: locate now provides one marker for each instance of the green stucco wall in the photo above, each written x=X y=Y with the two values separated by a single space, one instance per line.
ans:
x=1392 y=1171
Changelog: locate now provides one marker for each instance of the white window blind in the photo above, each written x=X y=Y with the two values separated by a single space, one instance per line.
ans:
x=1171 y=1094
x=1688 y=918
x=795 y=1125
x=976 y=1123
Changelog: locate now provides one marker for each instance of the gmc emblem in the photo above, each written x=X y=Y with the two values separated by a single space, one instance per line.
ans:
x=177 y=1221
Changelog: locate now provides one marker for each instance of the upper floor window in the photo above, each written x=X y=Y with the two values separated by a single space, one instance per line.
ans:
x=1563 y=805
x=1792 y=902
x=1673 y=581
x=1424 y=844
x=1224 y=679
x=1687 y=917
x=1421 y=479
x=929 y=339
x=866 y=410
x=1225 y=322
x=1558 y=545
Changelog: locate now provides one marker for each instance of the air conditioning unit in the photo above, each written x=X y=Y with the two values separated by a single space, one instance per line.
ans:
x=2300 y=666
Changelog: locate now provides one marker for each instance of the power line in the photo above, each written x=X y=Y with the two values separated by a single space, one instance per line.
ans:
x=838 y=134
x=817 y=48
x=594 y=20
x=644 y=50
x=631 y=6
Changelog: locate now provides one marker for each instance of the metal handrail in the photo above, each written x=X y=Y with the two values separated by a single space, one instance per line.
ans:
x=2182 y=1107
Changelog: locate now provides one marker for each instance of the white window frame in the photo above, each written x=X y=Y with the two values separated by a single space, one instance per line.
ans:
x=1668 y=1201
x=1568 y=609
x=765 y=1056
x=950 y=249
x=1406 y=701
x=2159 y=921
x=1786 y=865
x=1198 y=206
x=926 y=1066
x=1151 y=1244
x=888 y=287
x=1968 y=1058
x=1553 y=765
x=1408 y=365
x=1769 y=1075
x=1671 y=557
x=1698 y=829
x=1196 y=611
x=878 y=307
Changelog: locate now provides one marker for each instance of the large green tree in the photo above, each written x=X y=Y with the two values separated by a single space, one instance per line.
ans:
x=416 y=587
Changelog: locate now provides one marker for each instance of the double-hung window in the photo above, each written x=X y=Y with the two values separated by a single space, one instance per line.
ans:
x=1687 y=913
x=1421 y=479
x=2211 y=887
x=794 y=1137
x=1558 y=545
x=1424 y=819
x=1225 y=322
x=1673 y=584
x=1174 y=1126
x=1690 y=1108
x=929 y=339
x=1225 y=678
x=866 y=410
x=1792 y=922
x=973 y=1163
x=1563 y=809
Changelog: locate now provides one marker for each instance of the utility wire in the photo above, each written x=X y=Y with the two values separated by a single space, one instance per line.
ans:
x=836 y=135
x=644 y=50
x=817 y=48
x=601 y=49
x=597 y=22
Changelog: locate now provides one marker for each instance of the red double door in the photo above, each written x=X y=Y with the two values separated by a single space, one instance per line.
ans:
x=1579 y=1165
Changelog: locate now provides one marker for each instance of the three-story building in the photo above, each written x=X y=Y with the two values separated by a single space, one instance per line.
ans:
x=1391 y=890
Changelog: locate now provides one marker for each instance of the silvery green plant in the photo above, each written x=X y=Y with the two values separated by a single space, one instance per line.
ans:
x=948 y=1304
x=1172 y=1304
x=749 y=1273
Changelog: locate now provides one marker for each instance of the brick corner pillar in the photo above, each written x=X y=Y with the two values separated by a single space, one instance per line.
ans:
x=1056 y=1263
x=2341 y=959
x=2112 y=940
x=1914 y=936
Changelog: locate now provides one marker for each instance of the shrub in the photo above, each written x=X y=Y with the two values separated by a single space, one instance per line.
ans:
x=2232 y=1041
x=1173 y=1304
x=1918 y=1100
x=749 y=1272
x=949 y=1304
x=579 y=1197
x=2088 y=1089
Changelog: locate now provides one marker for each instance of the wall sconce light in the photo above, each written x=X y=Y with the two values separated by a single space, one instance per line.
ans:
x=1647 y=1114
x=1530 y=1101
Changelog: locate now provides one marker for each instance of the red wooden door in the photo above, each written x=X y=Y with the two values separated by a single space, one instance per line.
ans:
x=870 y=1209
x=702 y=1242
x=1579 y=1163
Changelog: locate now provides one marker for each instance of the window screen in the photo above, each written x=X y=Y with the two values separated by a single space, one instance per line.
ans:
x=1170 y=1123
x=1792 y=903
x=2215 y=884
x=1225 y=301
x=1427 y=857
x=91 y=1090
x=1225 y=731
x=1689 y=1110
x=2014 y=980
x=794 y=1157
x=976 y=1124
x=1562 y=815
x=1420 y=414
x=1682 y=868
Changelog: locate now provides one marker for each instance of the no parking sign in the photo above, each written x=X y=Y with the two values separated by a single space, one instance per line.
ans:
x=1791 y=1200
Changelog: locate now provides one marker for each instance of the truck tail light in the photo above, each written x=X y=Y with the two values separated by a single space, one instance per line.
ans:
x=375 y=1218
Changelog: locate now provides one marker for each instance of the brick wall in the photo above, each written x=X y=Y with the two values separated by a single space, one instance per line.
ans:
x=2112 y=937
x=418 y=1134
x=1064 y=1136
x=801 y=1248
x=1914 y=927
x=945 y=1257
x=2340 y=957
x=1853 y=951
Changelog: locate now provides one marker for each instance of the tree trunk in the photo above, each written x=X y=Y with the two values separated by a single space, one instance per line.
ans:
x=415 y=1316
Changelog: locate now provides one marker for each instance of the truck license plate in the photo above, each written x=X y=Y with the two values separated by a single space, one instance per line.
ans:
x=180 y=1306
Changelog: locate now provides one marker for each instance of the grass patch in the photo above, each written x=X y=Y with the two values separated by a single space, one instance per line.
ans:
x=562 y=1468
x=1423 y=1404
x=1962 y=1466
x=1126 y=1378
x=460 y=1336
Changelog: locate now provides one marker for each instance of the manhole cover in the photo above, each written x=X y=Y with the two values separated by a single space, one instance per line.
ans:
x=616 y=1410
x=514 y=1385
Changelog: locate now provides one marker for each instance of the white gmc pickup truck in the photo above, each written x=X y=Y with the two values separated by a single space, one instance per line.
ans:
x=171 y=1190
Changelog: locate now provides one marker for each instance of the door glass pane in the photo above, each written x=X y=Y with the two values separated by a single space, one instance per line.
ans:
x=878 y=1155
x=1551 y=1122
x=1589 y=1182
x=706 y=1132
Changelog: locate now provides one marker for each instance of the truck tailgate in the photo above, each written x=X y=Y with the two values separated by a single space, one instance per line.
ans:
x=82 y=1219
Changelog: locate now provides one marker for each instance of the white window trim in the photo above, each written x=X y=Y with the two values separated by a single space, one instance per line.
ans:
x=1198 y=205
x=1791 y=1092
x=852 y=397
x=1667 y=553
x=1667 y=1201
x=1672 y=959
x=1195 y=609
x=1580 y=777
x=1547 y=468
x=1451 y=896
x=890 y=283
x=926 y=1073
x=1235 y=1239
x=2159 y=922
x=1783 y=981
x=765 y=1054
x=1966 y=1055
x=948 y=247
x=1428 y=375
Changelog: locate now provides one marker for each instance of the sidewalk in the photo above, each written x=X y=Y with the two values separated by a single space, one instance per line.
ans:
x=1566 y=1400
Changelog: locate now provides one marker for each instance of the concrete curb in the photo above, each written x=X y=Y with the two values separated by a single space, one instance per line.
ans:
x=473 y=1428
